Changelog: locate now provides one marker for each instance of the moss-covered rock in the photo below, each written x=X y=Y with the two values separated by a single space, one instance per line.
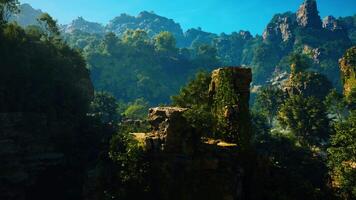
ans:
x=229 y=96
x=348 y=70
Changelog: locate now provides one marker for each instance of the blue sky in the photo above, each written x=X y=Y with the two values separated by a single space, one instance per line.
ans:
x=211 y=15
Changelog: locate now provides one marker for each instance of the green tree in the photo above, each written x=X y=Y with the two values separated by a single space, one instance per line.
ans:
x=342 y=157
x=336 y=105
x=49 y=25
x=165 y=42
x=195 y=96
x=299 y=63
x=136 y=110
x=206 y=57
x=306 y=117
x=105 y=107
x=268 y=101
x=7 y=7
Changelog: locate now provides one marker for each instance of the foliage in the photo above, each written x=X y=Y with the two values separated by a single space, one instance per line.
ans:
x=165 y=42
x=132 y=170
x=195 y=96
x=136 y=66
x=299 y=63
x=342 y=157
x=46 y=76
x=7 y=7
x=336 y=105
x=286 y=171
x=268 y=101
x=306 y=117
x=310 y=84
x=105 y=107
x=49 y=25
x=136 y=110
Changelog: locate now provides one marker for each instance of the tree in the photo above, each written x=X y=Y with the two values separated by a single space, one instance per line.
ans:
x=299 y=63
x=336 y=105
x=206 y=57
x=196 y=92
x=105 y=107
x=268 y=101
x=165 y=42
x=7 y=7
x=195 y=96
x=342 y=157
x=49 y=25
x=306 y=117
x=136 y=110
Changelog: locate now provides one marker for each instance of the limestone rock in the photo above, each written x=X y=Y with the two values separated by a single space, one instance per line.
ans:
x=331 y=23
x=280 y=28
x=170 y=130
x=230 y=93
x=308 y=15
x=80 y=24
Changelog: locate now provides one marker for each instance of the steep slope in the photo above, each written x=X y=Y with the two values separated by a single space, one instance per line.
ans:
x=302 y=33
x=27 y=15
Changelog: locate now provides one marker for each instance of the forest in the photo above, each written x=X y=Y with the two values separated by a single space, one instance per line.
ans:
x=140 y=109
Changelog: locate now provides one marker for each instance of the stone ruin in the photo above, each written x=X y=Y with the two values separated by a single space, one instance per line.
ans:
x=186 y=166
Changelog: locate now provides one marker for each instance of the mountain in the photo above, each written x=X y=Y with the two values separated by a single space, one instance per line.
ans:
x=80 y=24
x=349 y=23
x=148 y=21
x=27 y=15
x=303 y=32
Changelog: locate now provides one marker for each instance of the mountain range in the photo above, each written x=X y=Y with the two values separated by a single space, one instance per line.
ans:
x=323 y=40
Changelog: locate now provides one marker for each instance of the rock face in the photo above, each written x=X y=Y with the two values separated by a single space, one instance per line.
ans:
x=80 y=24
x=184 y=165
x=348 y=71
x=230 y=93
x=170 y=131
x=280 y=28
x=308 y=15
x=330 y=23
x=26 y=154
x=27 y=15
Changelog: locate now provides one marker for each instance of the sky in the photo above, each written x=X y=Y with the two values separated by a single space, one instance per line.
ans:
x=215 y=16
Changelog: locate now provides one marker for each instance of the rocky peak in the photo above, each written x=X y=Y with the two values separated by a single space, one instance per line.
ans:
x=280 y=28
x=148 y=21
x=81 y=24
x=246 y=35
x=331 y=23
x=27 y=15
x=308 y=15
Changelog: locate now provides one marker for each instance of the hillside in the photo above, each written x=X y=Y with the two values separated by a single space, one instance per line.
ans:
x=303 y=32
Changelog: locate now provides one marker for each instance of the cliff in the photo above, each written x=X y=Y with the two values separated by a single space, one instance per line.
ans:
x=308 y=15
x=189 y=166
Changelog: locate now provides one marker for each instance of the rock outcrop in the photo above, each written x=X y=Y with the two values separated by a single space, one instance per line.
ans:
x=26 y=16
x=280 y=28
x=230 y=93
x=189 y=166
x=170 y=131
x=308 y=15
x=80 y=24
x=348 y=71
x=330 y=23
